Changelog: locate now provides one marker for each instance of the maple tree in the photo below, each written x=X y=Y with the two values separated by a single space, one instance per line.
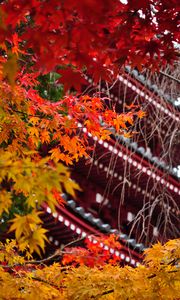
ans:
x=100 y=36
x=158 y=277
x=41 y=120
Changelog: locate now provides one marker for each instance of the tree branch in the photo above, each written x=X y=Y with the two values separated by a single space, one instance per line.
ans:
x=103 y=294
x=47 y=282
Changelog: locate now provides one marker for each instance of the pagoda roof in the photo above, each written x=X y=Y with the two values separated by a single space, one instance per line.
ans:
x=64 y=226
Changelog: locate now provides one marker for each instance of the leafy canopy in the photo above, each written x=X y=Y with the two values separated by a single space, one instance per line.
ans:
x=157 y=278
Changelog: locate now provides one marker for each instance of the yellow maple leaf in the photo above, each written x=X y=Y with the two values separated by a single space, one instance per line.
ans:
x=33 y=131
x=5 y=201
x=71 y=186
x=28 y=232
x=34 y=120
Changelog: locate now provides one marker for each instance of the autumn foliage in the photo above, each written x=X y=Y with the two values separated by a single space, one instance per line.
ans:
x=47 y=51
x=86 y=34
x=41 y=120
x=158 y=277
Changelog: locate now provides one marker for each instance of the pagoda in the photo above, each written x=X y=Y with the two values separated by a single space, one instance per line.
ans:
x=130 y=186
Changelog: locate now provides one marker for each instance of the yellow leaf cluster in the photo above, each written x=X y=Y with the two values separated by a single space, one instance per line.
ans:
x=8 y=253
x=155 y=279
x=37 y=182
x=29 y=234
x=34 y=280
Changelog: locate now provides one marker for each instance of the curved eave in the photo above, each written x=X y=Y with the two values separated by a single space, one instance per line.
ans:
x=64 y=226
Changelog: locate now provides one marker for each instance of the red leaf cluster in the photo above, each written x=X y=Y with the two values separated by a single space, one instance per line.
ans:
x=96 y=252
x=97 y=35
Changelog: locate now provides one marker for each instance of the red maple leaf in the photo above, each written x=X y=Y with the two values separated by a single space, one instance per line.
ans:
x=71 y=79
